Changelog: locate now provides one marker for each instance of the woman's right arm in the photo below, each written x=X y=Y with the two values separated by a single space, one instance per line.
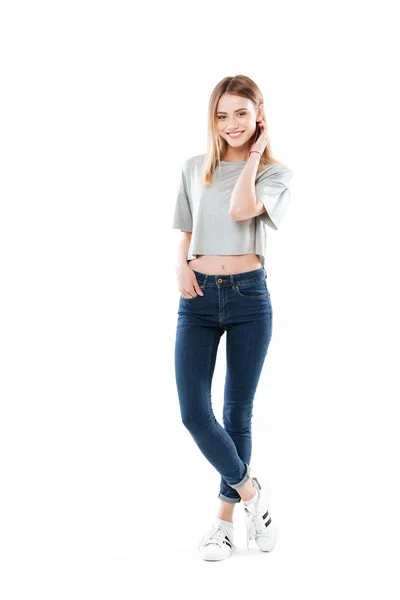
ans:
x=187 y=281
x=183 y=250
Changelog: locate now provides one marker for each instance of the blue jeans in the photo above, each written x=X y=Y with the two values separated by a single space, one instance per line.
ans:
x=240 y=305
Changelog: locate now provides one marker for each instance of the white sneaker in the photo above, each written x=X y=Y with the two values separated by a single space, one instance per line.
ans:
x=259 y=525
x=217 y=543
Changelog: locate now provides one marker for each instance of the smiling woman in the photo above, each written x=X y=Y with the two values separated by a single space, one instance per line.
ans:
x=229 y=195
x=226 y=199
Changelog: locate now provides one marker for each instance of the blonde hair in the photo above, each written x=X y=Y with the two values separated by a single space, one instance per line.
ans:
x=243 y=86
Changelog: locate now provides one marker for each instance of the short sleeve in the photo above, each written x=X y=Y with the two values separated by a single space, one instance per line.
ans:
x=273 y=189
x=183 y=212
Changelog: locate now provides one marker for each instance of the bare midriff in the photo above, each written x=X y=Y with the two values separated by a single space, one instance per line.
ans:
x=215 y=264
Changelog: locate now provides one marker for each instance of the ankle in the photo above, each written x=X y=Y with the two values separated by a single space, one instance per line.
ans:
x=225 y=511
x=226 y=522
x=225 y=517
x=247 y=491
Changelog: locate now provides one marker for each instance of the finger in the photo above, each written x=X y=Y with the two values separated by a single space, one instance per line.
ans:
x=198 y=289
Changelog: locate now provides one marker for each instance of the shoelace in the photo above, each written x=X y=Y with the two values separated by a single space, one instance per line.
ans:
x=249 y=528
x=255 y=525
x=215 y=536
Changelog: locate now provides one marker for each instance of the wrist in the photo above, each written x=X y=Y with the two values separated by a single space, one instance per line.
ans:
x=254 y=152
x=181 y=265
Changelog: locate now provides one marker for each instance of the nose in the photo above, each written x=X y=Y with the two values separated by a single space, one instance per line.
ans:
x=232 y=124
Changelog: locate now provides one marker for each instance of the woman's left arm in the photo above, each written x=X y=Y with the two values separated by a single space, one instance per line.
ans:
x=244 y=203
x=243 y=199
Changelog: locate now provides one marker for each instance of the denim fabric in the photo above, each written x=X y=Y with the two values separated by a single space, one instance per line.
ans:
x=239 y=305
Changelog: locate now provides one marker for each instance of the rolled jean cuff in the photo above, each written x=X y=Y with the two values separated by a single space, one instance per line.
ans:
x=227 y=499
x=243 y=481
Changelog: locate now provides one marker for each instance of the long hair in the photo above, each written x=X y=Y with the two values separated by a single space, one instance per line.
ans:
x=240 y=85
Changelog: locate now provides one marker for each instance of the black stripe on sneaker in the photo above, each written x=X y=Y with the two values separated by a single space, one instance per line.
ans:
x=269 y=520
x=227 y=542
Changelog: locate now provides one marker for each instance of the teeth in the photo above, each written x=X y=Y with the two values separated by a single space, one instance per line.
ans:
x=236 y=134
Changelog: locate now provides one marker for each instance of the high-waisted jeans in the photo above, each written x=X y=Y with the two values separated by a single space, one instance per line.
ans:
x=240 y=305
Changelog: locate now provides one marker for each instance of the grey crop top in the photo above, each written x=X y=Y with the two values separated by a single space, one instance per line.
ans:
x=205 y=210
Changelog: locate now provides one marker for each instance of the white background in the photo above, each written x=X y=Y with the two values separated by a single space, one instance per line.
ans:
x=104 y=494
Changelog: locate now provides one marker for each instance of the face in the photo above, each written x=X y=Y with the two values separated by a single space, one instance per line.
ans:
x=236 y=114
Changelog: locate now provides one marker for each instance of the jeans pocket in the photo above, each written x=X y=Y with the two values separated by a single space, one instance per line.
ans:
x=194 y=297
x=256 y=289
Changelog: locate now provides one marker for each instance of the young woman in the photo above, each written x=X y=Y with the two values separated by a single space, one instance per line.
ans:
x=226 y=199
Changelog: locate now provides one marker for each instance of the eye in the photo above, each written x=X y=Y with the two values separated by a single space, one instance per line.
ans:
x=219 y=117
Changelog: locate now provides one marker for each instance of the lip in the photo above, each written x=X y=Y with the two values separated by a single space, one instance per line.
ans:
x=235 y=132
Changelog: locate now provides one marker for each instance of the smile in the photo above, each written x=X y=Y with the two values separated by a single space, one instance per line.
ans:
x=236 y=134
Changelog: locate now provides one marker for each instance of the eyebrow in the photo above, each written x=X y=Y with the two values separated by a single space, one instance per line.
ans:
x=224 y=113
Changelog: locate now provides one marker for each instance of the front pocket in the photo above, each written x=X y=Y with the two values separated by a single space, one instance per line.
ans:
x=252 y=289
x=194 y=297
